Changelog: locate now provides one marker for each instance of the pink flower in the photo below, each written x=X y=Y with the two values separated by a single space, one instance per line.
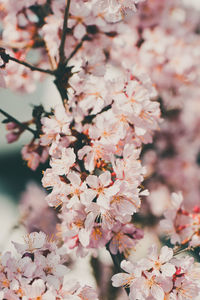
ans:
x=77 y=190
x=62 y=165
x=124 y=238
x=34 y=154
x=101 y=188
x=38 y=272
x=115 y=10
x=33 y=241
x=95 y=154
x=125 y=202
x=99 y=236
x=142 y=285
x=158 y=276
x=160 y=264
x=76 y=223
x=55 y=125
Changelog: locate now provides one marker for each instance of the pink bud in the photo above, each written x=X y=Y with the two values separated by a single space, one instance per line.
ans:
x=11 y=125
x=12 y=137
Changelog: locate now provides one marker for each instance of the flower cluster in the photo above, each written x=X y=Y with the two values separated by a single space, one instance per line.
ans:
x=38 y=272
x=160 y=276
x=182 y=223
x=95 y=172
x=105 y=143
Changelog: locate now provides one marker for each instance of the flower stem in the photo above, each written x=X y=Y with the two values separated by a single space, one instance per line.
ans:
x=117 y=259
x=22 y=125
x=78 y=46
x=31 y=67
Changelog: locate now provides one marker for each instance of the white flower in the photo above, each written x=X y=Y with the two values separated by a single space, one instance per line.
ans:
x=62 y=165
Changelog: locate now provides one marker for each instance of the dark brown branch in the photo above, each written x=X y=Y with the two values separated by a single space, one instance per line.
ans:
x=62 y=75
x=117 y=259
x=22 y=125
x=64 y=33
x=78 y=46
x=31 y=67
x=61 y=89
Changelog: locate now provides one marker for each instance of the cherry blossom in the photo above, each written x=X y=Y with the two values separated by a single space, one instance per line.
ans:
x=126 y=127
x=62 y=165
x=38 y=272
x=124 y=238
x=163 y=278
x=182 y=225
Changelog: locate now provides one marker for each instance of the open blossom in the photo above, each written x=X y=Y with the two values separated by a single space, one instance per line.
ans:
x=34 y=154
x=182 y=224
x=55 y=125
x=124 y=238
x=168 y=224
x=38 y=273
x=159 y=277
x=116 y=9
x=102 y=188
x=142 y=284
x=95 y=154
x=62 y=165
x=33 y=242
x=160 y=263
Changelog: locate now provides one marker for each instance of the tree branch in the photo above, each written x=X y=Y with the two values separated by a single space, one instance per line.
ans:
x=117 y=259
x=22 y=125
x=78 y=46
x=64 y=33
x=31 y=67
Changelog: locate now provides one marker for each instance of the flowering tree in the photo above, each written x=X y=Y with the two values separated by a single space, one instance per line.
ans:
x=122 y=139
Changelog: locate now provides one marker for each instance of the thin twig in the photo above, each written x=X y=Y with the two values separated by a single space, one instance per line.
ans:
x=78 y=46
x=64 y=33
x=177 y=251
x=31 y=67
x=22 y=125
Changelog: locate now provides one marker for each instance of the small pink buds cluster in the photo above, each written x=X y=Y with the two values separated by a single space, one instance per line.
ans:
x=182 y=224
x=160 y=276
x=38 y=273
x=15 y=131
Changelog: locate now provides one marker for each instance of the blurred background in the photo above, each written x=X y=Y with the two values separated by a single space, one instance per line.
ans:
x=14 y=173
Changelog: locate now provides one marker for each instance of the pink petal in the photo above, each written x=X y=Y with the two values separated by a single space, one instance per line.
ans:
x=120 y=279
x=165 y=254
x=92 y=181
x=168 y=269
x=105 y=178
x=157 y=292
